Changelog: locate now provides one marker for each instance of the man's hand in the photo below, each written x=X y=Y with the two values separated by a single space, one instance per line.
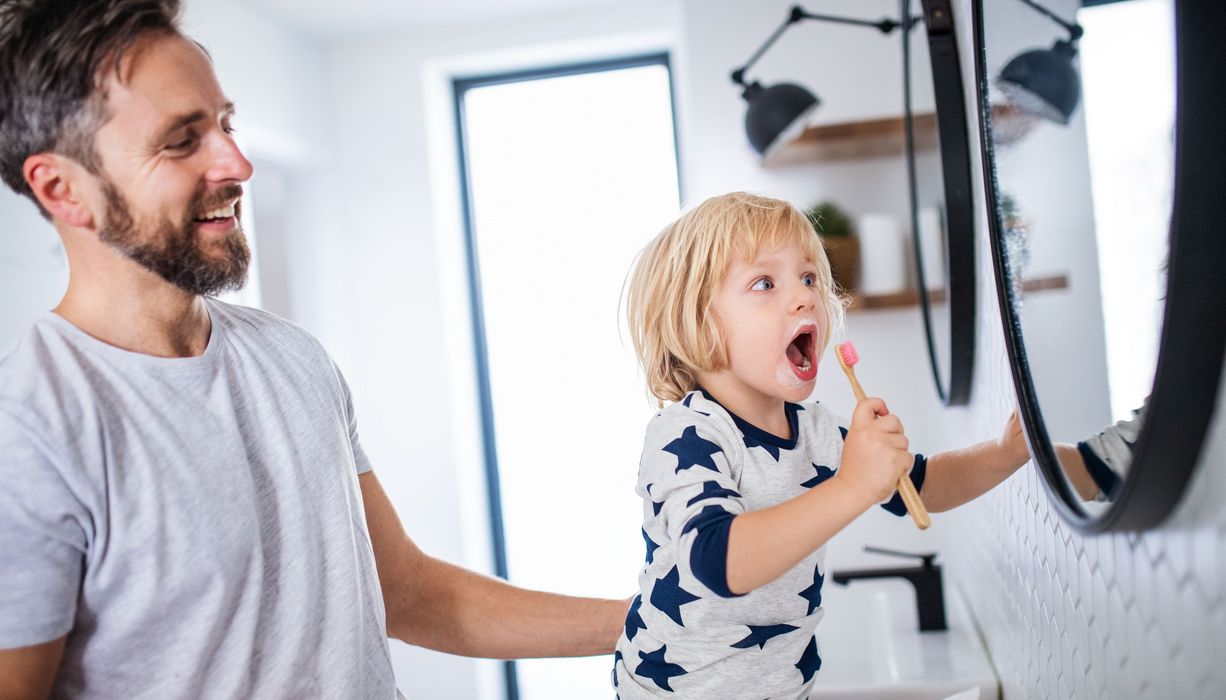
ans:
x=875 y=453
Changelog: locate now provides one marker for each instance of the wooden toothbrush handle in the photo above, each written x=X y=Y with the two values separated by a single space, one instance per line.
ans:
x=911 y=499
x=906 y=489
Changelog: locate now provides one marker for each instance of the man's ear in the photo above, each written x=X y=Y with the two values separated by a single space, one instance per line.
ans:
x=59 y=185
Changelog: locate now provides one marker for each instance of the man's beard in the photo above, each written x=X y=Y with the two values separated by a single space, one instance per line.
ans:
x=173 y=251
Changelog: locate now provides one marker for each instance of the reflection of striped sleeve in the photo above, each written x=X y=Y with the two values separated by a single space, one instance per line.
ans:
x=919 y=470
x=685 y=471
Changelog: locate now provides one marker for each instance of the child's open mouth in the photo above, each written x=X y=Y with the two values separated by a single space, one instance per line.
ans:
x=800 y=353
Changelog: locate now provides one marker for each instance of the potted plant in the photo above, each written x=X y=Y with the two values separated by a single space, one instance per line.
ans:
x=834 y=227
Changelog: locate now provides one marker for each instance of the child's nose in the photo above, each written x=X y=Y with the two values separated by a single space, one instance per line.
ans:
x=803 y=298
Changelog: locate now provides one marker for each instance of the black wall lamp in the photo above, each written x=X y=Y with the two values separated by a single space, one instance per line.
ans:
x=780 y=112
x=1043 y=82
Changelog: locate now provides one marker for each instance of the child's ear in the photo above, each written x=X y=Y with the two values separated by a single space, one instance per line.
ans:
x=58 y=183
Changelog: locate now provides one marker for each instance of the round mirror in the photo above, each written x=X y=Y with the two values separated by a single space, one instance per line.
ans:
x=1099 y=221
x=942 y=216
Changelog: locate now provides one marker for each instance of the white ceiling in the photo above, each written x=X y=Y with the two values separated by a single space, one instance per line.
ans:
x=329 y=19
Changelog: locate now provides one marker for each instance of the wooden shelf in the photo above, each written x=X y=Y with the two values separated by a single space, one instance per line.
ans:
x=875 y=138
x=871 y=302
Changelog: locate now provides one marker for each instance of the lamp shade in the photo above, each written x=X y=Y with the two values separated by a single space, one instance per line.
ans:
x=774 y=111
x=1043 y=82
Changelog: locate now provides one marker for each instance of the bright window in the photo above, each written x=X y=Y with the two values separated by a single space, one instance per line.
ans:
x=570 y=173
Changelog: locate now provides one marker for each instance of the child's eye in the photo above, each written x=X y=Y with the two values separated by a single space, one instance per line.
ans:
x=810 y=280
x=762 y=284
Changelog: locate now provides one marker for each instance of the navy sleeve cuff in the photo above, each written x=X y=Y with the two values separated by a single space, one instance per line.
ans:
x=918 y=470
x=1104 y=477
x=709 y=552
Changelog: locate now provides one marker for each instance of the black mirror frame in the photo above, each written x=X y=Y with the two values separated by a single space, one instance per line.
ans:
x=959 y=208
x=1193 y=338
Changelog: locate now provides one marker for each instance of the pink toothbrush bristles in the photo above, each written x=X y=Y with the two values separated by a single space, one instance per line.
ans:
x=848 y=352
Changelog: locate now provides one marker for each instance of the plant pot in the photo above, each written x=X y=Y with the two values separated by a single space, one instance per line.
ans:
x=844 y=255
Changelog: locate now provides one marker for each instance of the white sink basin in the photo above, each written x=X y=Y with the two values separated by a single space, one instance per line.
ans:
x=871 y=647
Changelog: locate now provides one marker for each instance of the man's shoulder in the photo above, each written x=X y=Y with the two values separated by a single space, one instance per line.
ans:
x=266 y=327
x=26 y=366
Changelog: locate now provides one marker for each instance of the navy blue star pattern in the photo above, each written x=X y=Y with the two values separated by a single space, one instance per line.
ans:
x=823 y=473
x=634 y=621
x=655 y=508
x=617 y=659
x=771 y=450
x=706 y=515
x=656 y=668
x=651 y=547
x=686 y=403
x=712 y=489
x=668 y=596
x=843 y=432
x=692 y=450
x=813 y=593
x=759 y=635
x=809 y=662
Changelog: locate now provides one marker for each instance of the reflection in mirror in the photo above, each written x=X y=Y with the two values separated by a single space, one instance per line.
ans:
x=1084 y=173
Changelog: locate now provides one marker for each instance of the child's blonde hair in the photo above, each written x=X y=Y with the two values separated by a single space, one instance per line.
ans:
x=675 y=335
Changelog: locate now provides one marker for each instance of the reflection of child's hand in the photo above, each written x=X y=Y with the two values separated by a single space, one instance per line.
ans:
x=875 y=453
x=1012 y=442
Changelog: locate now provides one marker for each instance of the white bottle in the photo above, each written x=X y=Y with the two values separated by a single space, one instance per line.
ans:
x=882 y=255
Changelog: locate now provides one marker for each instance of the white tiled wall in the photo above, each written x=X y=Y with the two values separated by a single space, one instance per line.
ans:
x=1065 y=615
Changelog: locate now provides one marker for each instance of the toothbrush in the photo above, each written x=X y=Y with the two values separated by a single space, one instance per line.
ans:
x=848 y=358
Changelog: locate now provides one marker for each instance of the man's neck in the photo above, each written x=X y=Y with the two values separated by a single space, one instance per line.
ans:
x=135 y=310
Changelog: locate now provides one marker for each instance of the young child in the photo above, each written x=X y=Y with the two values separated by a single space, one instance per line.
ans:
x=730 y=309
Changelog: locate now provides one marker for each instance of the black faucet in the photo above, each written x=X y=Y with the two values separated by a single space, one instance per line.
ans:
x=926 y=577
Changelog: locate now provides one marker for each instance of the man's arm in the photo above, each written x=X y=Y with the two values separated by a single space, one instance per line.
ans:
x=440 y=606
x=26 y=673
x=960 y=476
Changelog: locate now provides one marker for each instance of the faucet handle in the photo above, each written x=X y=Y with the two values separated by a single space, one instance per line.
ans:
x=926 y=558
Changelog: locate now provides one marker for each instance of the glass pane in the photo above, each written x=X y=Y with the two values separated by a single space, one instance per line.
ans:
x=571 y=177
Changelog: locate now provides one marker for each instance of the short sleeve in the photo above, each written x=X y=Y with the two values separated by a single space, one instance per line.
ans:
x=686 y=474
x=361 y=461
x=43 y=541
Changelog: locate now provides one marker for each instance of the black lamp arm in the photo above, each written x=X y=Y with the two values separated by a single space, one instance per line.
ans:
x=1074 y=30
x=797 y=14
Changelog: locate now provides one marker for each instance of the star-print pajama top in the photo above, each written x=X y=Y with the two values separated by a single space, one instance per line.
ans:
x=686 y=634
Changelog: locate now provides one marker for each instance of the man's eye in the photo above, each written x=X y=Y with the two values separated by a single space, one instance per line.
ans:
x=762 y=284
x=182 y=144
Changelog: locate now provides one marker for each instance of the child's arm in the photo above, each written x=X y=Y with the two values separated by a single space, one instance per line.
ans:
x=764 y=544
x=960 y=476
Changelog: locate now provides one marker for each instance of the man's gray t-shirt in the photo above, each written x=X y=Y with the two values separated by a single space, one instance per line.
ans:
x=194 y=525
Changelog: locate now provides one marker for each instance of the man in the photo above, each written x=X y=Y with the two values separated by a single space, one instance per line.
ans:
x=186 y=510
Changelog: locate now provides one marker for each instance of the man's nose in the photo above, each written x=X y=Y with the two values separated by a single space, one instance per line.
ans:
x=228 y=163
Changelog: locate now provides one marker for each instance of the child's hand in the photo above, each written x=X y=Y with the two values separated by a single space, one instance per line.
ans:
x=875 y=453
x=1012 y=442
